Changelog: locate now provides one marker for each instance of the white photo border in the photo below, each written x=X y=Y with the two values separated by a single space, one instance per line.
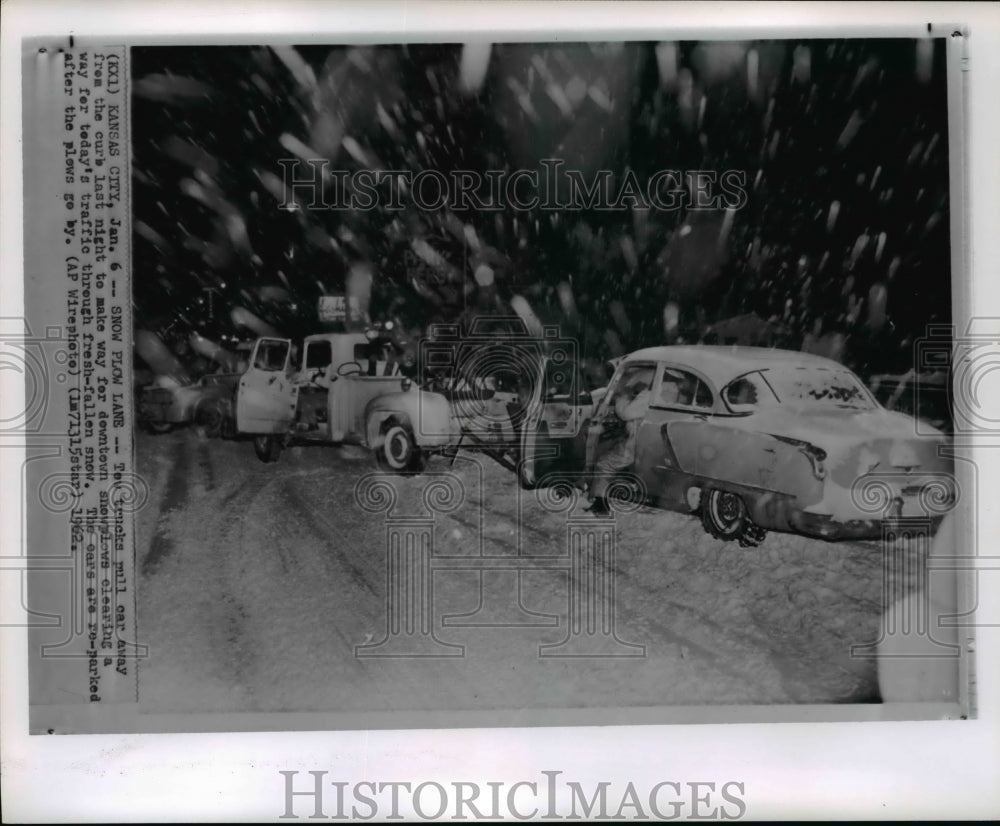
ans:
x=845 y=770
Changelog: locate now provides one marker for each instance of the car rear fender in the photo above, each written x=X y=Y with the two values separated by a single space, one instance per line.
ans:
x=746 y=458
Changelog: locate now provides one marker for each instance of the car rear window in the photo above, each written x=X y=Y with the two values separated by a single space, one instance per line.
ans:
x=821 y=387
x=751 y=390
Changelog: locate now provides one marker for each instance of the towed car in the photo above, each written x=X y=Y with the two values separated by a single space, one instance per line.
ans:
x=208 y=403
x=755 y=439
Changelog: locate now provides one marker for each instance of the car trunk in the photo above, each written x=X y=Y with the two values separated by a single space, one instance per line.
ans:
x=877 y=465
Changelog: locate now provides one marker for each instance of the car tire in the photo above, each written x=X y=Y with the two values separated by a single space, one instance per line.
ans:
x=723 y=514
x=209 y=418
x=525 y=479
x=267 y=447
x=530 y=481
x=398 y=452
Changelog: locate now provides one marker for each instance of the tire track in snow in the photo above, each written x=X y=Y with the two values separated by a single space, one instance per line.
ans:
x=175 y=497
x=399 y=682
x=244 y=622
x=328 y=533
x=357 y=604
x=205 y=464
x=233 y=636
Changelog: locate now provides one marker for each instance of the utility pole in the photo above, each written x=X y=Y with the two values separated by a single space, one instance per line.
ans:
x=211 y=303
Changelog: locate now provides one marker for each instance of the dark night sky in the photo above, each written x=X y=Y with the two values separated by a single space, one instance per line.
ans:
x=859 y=122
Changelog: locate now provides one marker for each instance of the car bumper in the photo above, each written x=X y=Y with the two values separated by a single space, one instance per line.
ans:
x=159 y=414
x=826 y=527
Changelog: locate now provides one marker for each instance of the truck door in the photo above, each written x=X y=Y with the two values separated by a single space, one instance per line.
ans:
x=553 y=435
x=266 y=398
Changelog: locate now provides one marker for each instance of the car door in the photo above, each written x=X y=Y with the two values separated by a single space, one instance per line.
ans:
x=605 y=430
x=682 y=402
x=553 y=433
x=267 y=396
x=733 y=446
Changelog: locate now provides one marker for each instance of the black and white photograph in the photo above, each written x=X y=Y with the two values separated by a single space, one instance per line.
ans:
x=522 y=377
x=452 y=411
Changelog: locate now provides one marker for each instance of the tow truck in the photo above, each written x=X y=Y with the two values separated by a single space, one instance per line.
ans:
x=350 y=389
x=320 y=398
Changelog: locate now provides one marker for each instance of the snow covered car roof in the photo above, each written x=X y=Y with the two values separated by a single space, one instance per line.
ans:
x=722 y=363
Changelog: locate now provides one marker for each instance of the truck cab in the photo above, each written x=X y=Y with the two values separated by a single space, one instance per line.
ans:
x=318 y=395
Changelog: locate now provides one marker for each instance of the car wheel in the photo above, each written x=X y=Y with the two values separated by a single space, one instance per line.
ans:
x=267 y=448
x=209 y=418
x=525 y=478
x=529 y=479
x=723 y=514
x=398 y=452
x=159 y=428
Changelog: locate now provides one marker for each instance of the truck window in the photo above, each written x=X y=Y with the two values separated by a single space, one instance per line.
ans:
x=271 y=355
x=318 y=354
x=374 y=356
x=372 y=351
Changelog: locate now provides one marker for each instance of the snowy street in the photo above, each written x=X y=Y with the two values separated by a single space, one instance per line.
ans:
x=257 y=581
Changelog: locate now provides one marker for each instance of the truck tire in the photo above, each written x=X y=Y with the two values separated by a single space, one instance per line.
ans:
x=399 y=452
x=267 y=447
x=209 y=418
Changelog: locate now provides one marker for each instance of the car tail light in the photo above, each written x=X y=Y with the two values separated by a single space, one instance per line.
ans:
x=815 y=455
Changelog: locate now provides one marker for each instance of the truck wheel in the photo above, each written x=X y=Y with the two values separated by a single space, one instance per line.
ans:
x=724 y=516
x=267 y=448
x=208 y=419
x=398 y=452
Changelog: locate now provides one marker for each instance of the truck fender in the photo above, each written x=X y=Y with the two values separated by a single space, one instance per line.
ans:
x=378 y=418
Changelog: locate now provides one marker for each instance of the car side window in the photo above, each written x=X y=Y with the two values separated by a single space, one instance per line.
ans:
x=633 y=379
x=679 y=388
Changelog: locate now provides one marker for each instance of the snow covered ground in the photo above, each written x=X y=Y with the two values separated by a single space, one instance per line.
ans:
x=257 y=581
